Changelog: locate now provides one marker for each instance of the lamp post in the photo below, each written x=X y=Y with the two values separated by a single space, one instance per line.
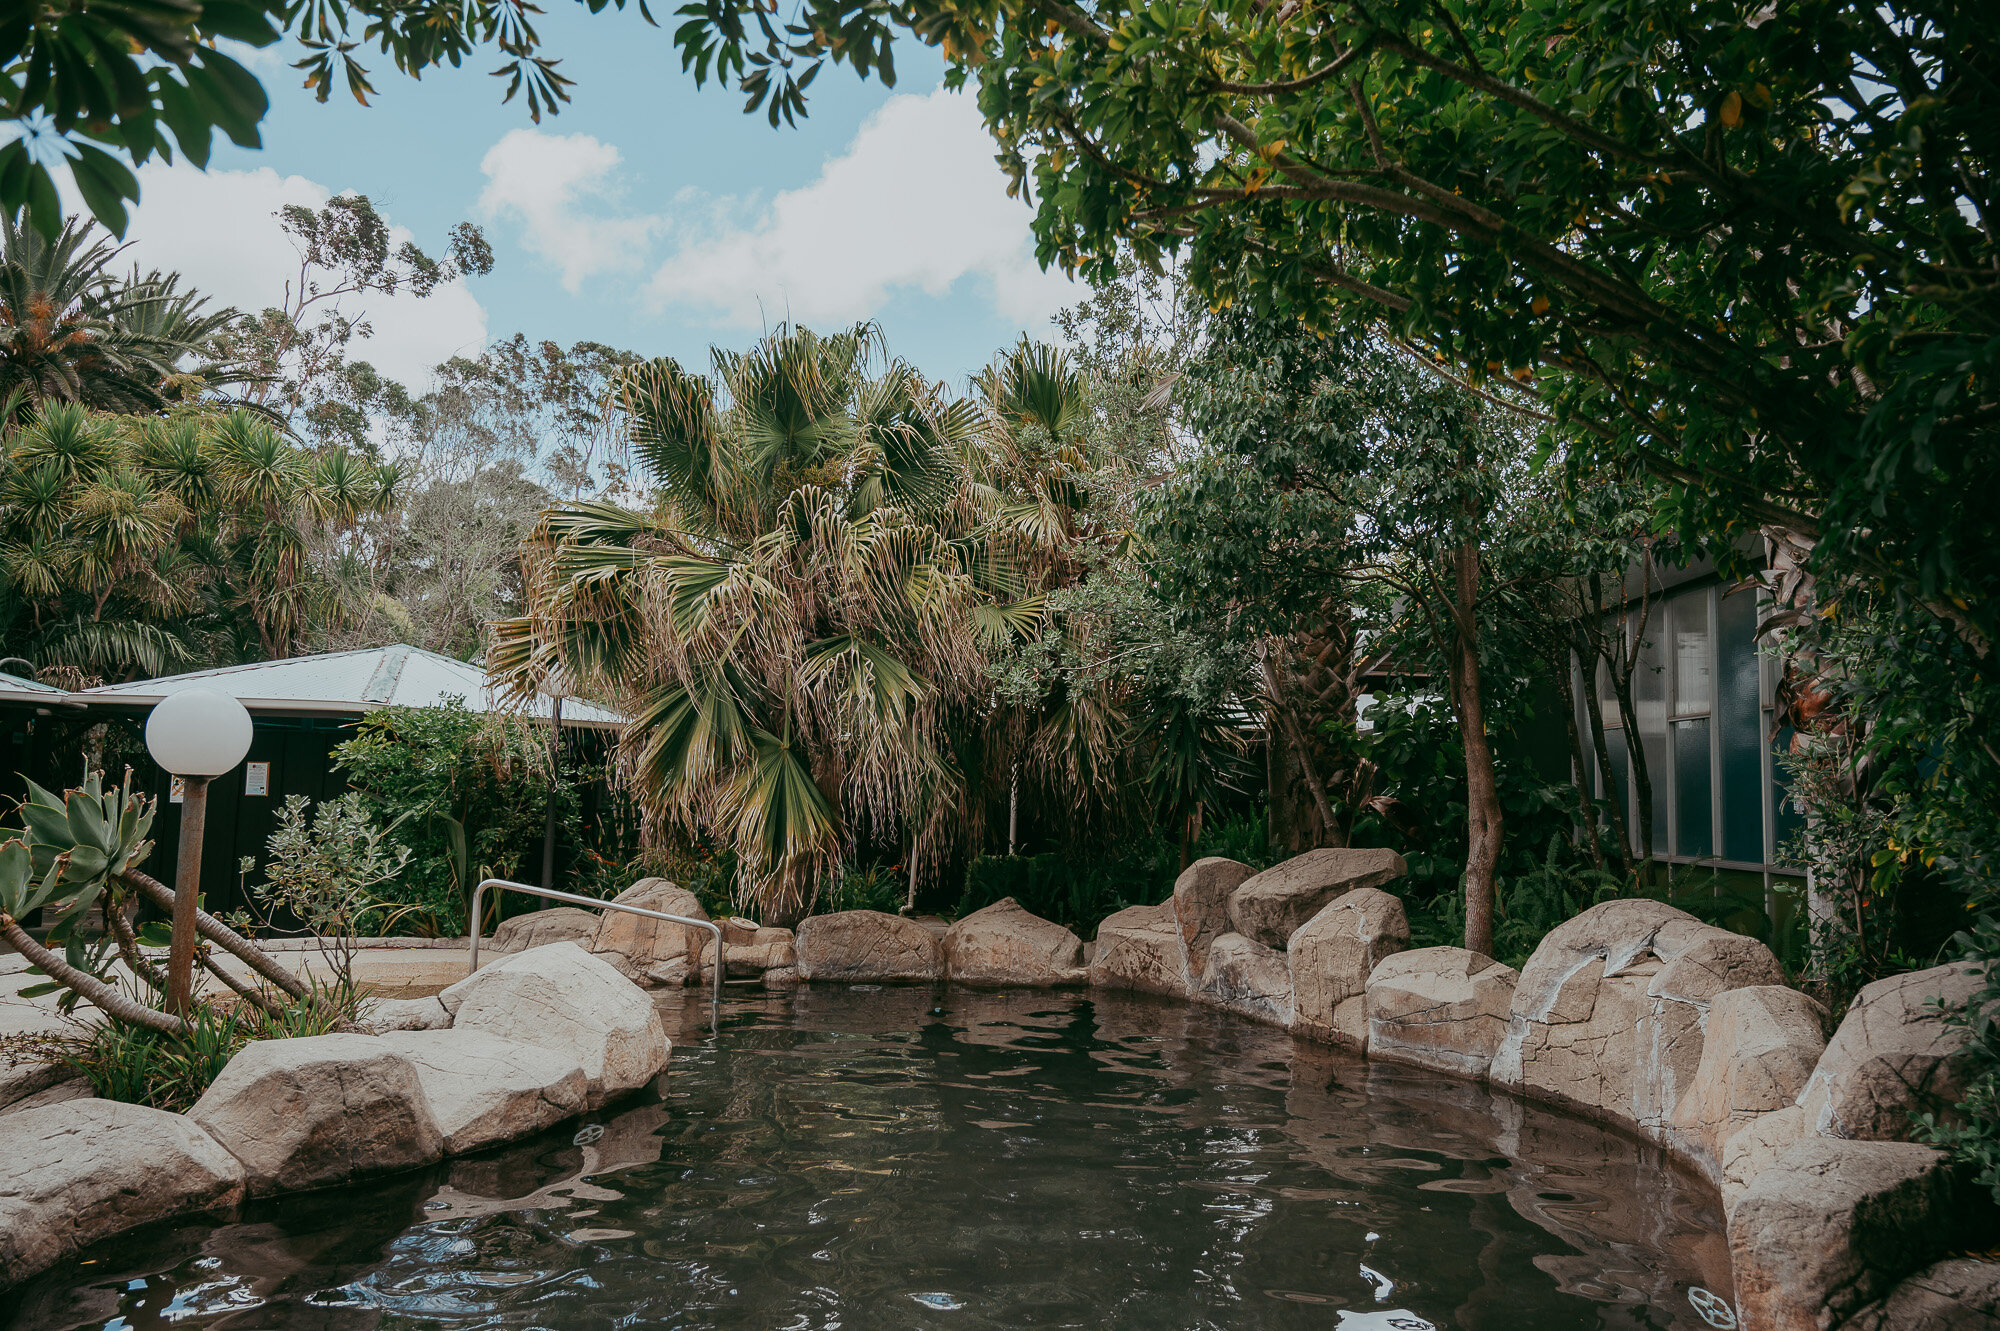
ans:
x=196 y=734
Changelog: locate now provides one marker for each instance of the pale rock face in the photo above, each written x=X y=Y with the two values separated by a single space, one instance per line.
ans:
x=752 y=952
x=1759 y=1050
x=782 y=977
x=1270 y=906
x=79 y=1172
x=1249 y=978
x=562 y=998
x=483 y=1088
x=1752 y=1148
x=635 y=944
x=19 y=1082
x=407 y=1014
x=557 y=924
x=1439 y=1007
x=1003 y=944
x=1958 y=1294
x=1139 y=948
x=1332 y=956
x=1201 y=904
x=867 y=946
x=1893 y=1053
x=1610 y=1009
x=1832 y=1226
x=319 y=1111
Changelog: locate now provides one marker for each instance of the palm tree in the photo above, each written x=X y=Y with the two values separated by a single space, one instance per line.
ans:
x=69 y=332
x=802 y=615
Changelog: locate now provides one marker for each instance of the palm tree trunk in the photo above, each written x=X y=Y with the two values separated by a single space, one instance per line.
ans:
x=1482 y=792
x=115 y=1005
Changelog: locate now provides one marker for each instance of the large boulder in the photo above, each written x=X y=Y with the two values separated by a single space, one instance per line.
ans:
x=1833 y=1226
x=867 y=946
x=1754 y=1148
x=1270 y=906
x=1201 y=904
x=1759 y=1051
x=643 y=948
x=562 y=998
x=1957 y=1294
x=1439 y=1007
x=751 y=952
x=1332 y=956
x=76 y=1173
x=319 y=1111
x=1610 y=1008
x=1139 y=948
x=1004 y=944
x=1247 y=977
x=484 y=1088
x=556 y=924
x=1894 y=1054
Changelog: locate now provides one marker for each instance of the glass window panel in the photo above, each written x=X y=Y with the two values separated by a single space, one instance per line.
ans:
x=1621 y=780
x=1649 y=679
x=1694 y=654
x=1785 y=821
x=1693 y=813
x=1739 y=729
x=1607 y=697
x=1658 y=775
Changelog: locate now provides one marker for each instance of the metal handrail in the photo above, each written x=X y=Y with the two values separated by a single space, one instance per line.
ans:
x=715 y=999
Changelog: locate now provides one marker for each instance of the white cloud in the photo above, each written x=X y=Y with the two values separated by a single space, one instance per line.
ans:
x=549 y=183
x=217 y=230
x=915 y=203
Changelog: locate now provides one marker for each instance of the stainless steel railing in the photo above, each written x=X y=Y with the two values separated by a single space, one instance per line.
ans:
x=715 y=997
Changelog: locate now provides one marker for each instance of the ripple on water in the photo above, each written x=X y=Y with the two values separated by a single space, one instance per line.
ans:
x=892 y=1158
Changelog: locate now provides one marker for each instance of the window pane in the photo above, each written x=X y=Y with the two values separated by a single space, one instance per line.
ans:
x=1693 y=823
x=1607 y=697
x=1649 y=703
x=1740 y=730
x=1621 y=781
x=1694 y=656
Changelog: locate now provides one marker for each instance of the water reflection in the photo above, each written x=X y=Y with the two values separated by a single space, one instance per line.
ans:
x=898 y=1158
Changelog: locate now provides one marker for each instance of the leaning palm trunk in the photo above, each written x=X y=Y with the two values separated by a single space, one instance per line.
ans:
x=101 y=995
x=224 y=937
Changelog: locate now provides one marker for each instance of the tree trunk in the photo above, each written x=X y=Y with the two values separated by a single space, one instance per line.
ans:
x=116 y=1005
x=224 y=937
x=1482 y=791
x=1593 y=707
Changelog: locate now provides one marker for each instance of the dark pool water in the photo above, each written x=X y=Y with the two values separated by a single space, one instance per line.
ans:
x=908 y=1158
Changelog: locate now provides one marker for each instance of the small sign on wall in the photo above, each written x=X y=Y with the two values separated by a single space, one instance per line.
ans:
x=256 y=778
x=177 y=790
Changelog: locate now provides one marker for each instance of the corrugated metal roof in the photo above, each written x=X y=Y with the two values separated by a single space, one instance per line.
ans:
x=349 y=683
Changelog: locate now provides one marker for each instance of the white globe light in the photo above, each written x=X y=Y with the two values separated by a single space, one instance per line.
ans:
x=198 y=732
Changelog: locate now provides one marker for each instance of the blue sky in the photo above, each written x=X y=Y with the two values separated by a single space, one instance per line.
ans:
x=647 y=214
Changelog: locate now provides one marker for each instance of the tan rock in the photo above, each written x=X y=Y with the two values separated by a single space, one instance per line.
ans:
x=636 y=944
x=1958 y=1294
x=1610 y=1009
x=1893 y=1054
x=1439 y=1007
x=484 y=1088
x=20 y=1081
x=736 y=929
x=1753 y=1148
x=782 y=977
x=1270 y=906
x=406 y=1014
x=1332 y=956
x=78 y=1172
x=562 y=998
x=1003 y=944
x=867 y=946
x=1759 y=1050
x=1201 y=904
x=761 y=950
x=1248 y=978
x=1833 y=1226
x=318 y=1111
x=1140 y=948
x=555 y=924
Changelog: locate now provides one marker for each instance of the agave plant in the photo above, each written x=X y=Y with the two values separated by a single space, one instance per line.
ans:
x=82 y=849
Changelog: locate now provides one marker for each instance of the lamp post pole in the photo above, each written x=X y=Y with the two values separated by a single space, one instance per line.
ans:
x=187 y=892
x=195 y=734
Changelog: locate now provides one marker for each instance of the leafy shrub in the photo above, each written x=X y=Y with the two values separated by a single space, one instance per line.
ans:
x=468 y=794
x=873 y=887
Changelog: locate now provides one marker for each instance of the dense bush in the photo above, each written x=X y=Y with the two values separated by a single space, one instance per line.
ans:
x=469 y=793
